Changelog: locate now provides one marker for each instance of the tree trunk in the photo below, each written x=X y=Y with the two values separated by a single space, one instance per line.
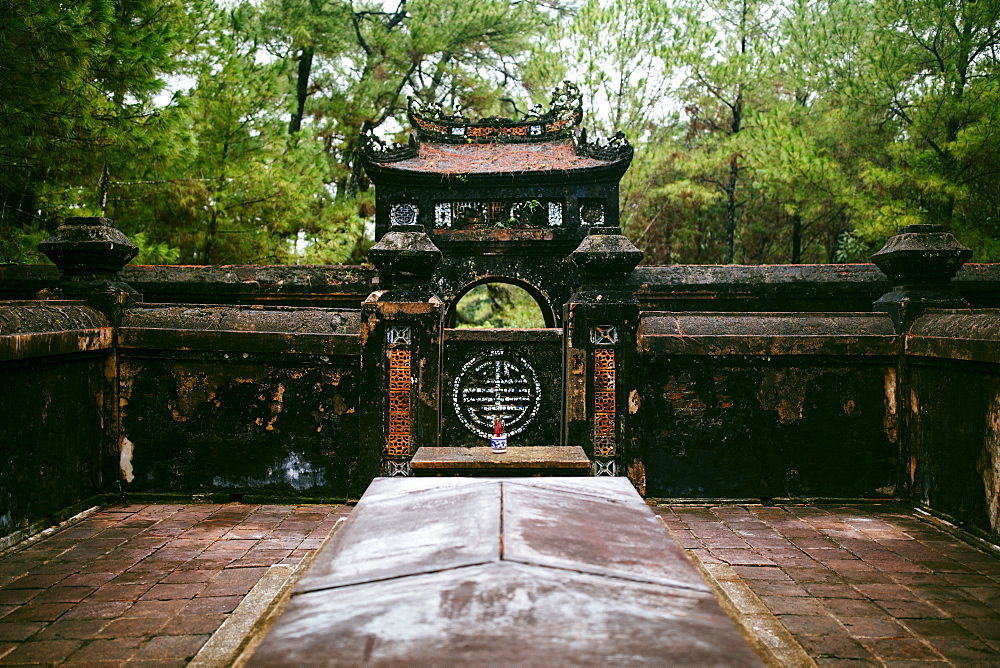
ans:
x=209 y=247
x=796 y=239
x=301 y=89
x=731 y=206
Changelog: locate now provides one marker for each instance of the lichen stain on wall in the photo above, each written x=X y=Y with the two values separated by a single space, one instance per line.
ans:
x=274 y=406
x=294 y=471
x=784 y=391
x=193 y=389
x=989 y=460
x=125 y=459
x=890 y=421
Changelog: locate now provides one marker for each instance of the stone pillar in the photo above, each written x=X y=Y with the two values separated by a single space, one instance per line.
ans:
x=600 y=321
x=920 y=262
x=401 y=333
x=90 y=252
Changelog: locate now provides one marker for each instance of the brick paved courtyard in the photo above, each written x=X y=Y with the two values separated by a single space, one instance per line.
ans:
x=151 y=584
x=145 y=583
x=873 y=584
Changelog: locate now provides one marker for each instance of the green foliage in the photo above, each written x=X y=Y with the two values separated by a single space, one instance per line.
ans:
x=496 y=305
x=765 y=130
x=814 y=131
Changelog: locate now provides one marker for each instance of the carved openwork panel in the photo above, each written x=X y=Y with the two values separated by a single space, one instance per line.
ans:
x=489 y=374
x=400 y=383
x=604 y=397
x=496 y=386
x=523 y=214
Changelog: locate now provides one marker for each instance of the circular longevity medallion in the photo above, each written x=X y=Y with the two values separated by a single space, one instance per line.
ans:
x=496 y=386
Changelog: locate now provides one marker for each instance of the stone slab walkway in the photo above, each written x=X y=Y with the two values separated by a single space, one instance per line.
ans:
x=509 y=571
x=854 y=585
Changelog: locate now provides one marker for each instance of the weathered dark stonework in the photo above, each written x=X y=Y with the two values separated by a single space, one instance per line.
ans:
x=90 y=252
x=249 y=401
x=405 y=258
x=85 y=248
x=601 y=320
x=504 y=200
x=952 y=413
x=920 y=262
x=58 y=372
x=308 y=382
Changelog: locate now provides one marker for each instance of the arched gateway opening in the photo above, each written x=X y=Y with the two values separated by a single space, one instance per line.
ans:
x=500 y=303
x=501 y=361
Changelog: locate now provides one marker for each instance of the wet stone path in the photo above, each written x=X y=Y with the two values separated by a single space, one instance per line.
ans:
x=854 y=585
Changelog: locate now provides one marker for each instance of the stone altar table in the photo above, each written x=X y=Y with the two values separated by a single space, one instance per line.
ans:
x=566 y=571
x=519 y=460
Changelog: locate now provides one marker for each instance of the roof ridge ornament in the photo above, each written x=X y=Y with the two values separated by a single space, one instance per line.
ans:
x=615 y=148
x=564 y=115
x=382 y=151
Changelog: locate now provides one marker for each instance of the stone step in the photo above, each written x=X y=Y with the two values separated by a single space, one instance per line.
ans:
x=524 y=460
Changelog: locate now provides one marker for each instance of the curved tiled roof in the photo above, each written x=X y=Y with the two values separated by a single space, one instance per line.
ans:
x=497 y=158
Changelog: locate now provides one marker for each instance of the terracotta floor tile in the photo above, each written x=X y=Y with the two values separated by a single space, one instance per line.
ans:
x=987 y=629
x=38 y=612
x=172 y=647
x=192 y=624
x=934 y=628
x=61 y=594
x=169 y=592
x=873 y=626
x=885 y=592
x=762 y=573
x=909 y=649
x=120 y=592
x=18 y=631
x=966 y=651
x=87 y=579
x=156 y=608
x=792 y=605
x=957 y=609
x=911 y=610
x=63 y=629
x=18 y=596
x=777 y=588
x=98 y=610
x=811 y=625
x=851 y=607
x=41 y=651
x=208 y=605
x=129 y=627
x=819 y=574
x=834 y=647
x=189 y=576
x=32 y=581
x=107 y=649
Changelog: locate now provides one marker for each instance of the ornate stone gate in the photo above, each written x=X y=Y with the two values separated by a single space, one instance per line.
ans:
x=528 y=201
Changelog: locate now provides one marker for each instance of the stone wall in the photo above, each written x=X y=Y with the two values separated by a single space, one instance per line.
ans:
x=727 y=382
x=239 y=399
x=952 y=415
x=57 y=374
x=769 y=405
